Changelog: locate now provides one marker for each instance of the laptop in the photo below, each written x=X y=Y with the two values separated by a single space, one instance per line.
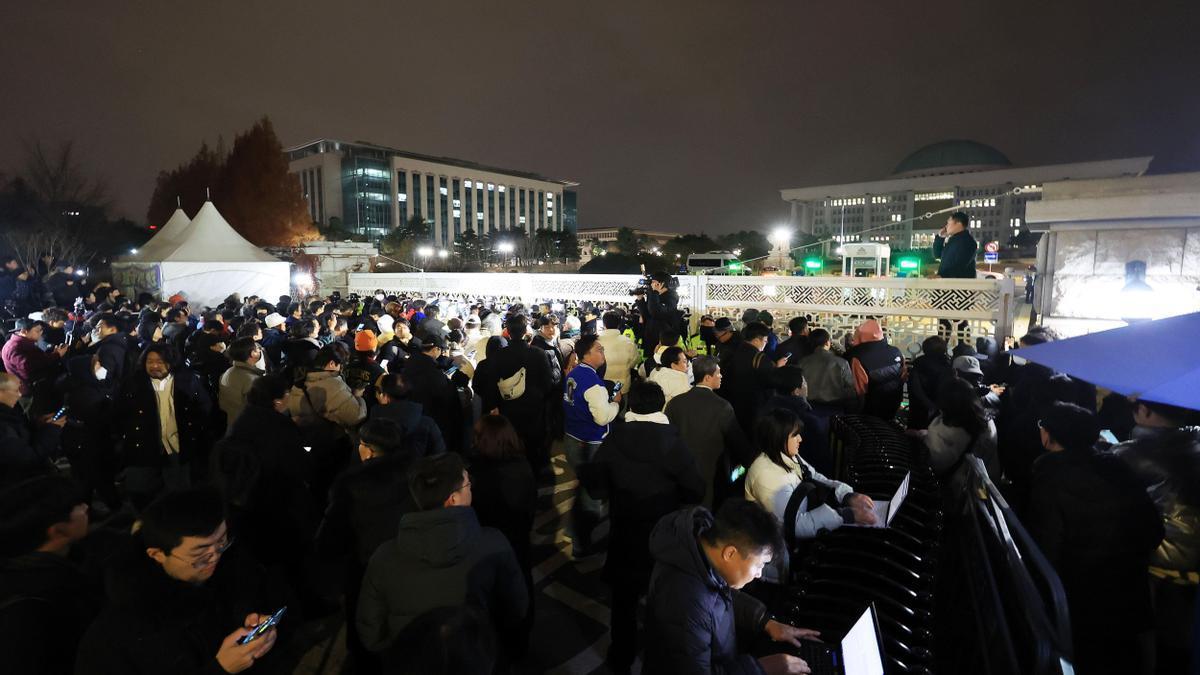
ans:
x=859 y=653
x=885 y=509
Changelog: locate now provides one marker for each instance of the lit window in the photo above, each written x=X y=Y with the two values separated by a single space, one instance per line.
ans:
x=467 y=184
x=457 y=213
x=522 y=220
x=479 y=215
x=402 y=197
x=549 y=197
x=500 y=188
x=1017 y=222
x=457 y=203
x=491 y=186
x=445 y=191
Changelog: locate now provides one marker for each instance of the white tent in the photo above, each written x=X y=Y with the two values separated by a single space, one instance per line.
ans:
x=163 y=241
x=207 y=261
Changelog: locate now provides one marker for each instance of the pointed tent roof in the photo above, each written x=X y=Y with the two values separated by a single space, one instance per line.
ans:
x=164 y=240
x=211 y=239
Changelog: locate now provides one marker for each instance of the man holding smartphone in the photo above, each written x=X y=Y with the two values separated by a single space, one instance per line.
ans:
x=588 y=410
x=183 y=597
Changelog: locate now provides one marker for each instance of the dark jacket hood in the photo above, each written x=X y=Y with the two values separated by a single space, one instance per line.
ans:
x=407 y=413
x=674 y=542
x=439 y=537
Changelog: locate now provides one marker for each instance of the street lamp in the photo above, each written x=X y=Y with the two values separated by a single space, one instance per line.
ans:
x=442 y=253
x=505 y=247
x=425 y=251
x=781 y=237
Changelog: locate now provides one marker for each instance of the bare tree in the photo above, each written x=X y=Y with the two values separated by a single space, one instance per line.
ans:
x=61 y=206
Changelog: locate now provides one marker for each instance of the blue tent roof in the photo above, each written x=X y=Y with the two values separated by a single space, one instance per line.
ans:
x=1155 y=360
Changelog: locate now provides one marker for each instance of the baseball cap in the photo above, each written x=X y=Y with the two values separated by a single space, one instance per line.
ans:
x=723 y=324
x=967 y=364
x=434 y=339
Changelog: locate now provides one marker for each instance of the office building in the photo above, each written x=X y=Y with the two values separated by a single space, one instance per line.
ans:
x=373 y=189
x=976 y=178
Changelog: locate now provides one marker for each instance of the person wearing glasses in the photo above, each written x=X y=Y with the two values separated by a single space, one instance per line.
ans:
x=182 y=596
x=441 y=557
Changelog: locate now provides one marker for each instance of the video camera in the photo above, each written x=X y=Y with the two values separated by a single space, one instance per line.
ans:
x=644 y=283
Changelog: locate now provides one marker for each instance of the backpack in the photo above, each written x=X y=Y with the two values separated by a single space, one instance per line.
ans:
x=513 y=386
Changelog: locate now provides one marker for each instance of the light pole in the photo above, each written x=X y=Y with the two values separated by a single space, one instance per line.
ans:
x=781 y=256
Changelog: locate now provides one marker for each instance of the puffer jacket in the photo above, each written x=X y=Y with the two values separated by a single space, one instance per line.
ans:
x=326 y=396
x=693 y=617
x=1167 y=462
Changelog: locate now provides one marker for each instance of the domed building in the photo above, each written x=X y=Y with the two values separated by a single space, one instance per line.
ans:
x=971 y=175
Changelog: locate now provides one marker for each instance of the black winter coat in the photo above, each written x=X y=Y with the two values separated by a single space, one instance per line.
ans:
x=957 y=254
x=749 y=379
x=928 y=374
x=663 y=314
x=645 y=471
x=46 y=603
x=504 y=496
x=1098 y=528
x=693 y=618
x=24 y=450
x=365 y=505
x=440 y=558
x=429 y=387
x=422 y=437
x=279 y=517
x=135 y=414
x=154 y=624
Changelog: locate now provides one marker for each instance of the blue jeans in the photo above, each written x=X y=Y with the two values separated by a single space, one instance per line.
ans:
x=586 y=511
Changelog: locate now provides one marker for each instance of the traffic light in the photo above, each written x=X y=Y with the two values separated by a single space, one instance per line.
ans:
x=735 y=266
x=813 y=264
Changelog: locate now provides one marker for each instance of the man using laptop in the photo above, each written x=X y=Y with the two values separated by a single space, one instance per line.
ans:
x=694 y=610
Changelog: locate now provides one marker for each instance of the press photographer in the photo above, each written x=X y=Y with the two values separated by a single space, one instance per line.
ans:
x=662 y=309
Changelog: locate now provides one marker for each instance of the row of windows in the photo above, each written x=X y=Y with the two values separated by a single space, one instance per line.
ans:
x=480 y=214
x=310 y=185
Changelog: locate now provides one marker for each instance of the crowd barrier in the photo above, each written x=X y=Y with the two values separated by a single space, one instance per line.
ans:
x=957 y=583
x=910 y=310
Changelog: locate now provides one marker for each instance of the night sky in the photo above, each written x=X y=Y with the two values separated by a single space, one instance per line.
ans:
x=682 y=116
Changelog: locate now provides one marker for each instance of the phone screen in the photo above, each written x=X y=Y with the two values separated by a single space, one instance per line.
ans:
x=737 y=473
x=58 y=415
x=263 y=627
x=1108 y=436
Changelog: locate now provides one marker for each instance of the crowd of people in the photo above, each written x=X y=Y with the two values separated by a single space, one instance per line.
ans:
x=172 y=476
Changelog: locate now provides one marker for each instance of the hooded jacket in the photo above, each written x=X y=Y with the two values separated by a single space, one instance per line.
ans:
x=693 y=617
x=440 y=558
x=421 y=434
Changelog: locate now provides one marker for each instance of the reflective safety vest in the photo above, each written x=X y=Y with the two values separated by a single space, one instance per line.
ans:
x=628 y=332
x=696 y=344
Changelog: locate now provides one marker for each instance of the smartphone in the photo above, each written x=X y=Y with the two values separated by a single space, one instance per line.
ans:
x=308 y=448
x=737 y=473
x=58 y=415
x=262 y=628
x=1109 y=436
x=616 y=387
x=451 y=370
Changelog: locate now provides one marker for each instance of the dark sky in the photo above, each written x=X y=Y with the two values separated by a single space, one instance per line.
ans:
x=672 y=115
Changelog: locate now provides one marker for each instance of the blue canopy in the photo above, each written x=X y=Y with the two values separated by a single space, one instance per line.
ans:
x=1155 y=360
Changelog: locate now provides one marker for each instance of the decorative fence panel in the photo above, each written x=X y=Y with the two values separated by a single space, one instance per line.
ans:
x=909 y=309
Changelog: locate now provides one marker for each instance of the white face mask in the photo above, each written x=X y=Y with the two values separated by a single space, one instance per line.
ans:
x=95 y=335
x=379 y=297
x=101 y=373
x=261 y=363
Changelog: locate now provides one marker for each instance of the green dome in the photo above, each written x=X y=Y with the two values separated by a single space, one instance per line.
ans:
x=960 y=155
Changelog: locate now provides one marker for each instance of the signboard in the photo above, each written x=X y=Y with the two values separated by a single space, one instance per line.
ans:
x=992 y=247
x=991 y=257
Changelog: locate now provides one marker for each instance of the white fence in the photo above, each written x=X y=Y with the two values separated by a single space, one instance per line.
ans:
x=909 y=309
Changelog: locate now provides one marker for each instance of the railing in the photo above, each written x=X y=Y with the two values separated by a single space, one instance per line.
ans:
x=909 y=309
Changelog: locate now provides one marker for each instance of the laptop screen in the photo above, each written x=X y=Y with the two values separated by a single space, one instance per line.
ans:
x=861 y=654
x=898 y=498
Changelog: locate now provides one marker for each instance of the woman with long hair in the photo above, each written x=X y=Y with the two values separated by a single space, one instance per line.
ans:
x=962 y=426
x=780 y=469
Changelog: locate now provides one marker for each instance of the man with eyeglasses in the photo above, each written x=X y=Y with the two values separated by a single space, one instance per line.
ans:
x=441 y=557
x=182 y=597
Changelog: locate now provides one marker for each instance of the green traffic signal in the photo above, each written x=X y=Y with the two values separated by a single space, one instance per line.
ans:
x=813 y=263
x=909 y=264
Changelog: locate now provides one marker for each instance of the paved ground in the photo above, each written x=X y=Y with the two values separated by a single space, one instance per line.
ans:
x=570 y=635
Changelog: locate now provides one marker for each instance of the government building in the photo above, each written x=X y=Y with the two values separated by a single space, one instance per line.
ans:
x=373 y=189
x=976 y=178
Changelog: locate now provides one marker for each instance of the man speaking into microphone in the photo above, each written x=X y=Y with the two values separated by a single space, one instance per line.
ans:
x=956 y=248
